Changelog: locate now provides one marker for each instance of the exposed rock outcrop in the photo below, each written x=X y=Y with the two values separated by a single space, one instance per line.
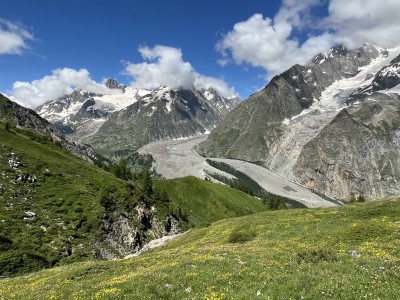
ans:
x=127 y=233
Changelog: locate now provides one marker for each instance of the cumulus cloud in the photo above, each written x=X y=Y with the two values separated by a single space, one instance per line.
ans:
x=270 y=43
x=164 y=65
x=13 y=37
x=59 y=83
x=359 y=21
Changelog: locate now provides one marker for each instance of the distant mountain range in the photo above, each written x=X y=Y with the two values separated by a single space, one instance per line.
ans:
x=332 y=125
x=130 y=118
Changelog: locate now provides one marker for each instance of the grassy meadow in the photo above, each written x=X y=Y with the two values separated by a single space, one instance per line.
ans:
x=346 y=252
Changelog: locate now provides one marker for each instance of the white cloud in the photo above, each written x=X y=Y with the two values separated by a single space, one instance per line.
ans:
x=165 y=66
x=59 y=83
x=13 y=37
x=261 y=42
x=269 y=42
x=359 y=21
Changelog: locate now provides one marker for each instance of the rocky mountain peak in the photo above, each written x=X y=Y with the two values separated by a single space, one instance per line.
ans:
x=388 y=77
x=113 y=84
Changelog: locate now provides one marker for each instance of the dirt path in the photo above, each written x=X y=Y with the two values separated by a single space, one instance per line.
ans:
x=176 y=158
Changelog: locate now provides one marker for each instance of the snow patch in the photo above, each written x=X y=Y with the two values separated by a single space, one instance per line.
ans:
x=209 y=96
x=153 y=109
x=121 y=101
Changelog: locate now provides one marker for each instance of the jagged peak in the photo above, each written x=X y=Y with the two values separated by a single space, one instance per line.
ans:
x=113 y=84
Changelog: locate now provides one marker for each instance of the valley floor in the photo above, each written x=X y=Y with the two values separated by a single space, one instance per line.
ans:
x=177 y=158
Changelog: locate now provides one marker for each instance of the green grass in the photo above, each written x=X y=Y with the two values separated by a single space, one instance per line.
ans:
x=69 y=206
x=290 y=254
x=65 y=200
x=206 y=202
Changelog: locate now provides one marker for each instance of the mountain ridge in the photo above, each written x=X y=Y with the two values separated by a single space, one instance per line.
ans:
x=274 y=125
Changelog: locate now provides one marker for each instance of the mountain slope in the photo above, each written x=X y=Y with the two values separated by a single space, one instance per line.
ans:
x=50 y=203
x=346 y=252
x=250 y=131
x=56 y=209
x=275 y=125
x=208 y=202
x=343 y=163
x=22 y=117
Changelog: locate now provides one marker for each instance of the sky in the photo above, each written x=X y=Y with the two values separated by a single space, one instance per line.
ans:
x=48 y=48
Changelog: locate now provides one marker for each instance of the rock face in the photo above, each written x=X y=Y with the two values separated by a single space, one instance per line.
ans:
x=347 y=158
x=113 y=84
x=27 y=118
x=388 y=77
x=124 y=237
x=297 y=125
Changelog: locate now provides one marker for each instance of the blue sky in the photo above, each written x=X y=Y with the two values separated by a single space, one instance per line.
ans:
x=238 y=45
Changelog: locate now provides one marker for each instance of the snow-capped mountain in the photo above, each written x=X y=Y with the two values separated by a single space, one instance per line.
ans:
x=81 y=113
x=163 y=113
x=140 y=114
x=333 y=125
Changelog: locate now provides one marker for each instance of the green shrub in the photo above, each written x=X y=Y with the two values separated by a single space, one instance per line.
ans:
x=5 y=243
x=316 y=256
x=241 y=236
x=19 y=262
x=275 y=202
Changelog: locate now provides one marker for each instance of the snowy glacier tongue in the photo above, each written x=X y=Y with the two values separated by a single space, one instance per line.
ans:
x=300 y=129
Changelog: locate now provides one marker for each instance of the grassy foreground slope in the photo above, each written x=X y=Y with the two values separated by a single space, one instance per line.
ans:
x=50 y=209
x=53 y=208
x=207 y=202
x=348 y=252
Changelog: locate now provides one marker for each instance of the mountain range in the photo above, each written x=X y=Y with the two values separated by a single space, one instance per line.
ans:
x=129 y=117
